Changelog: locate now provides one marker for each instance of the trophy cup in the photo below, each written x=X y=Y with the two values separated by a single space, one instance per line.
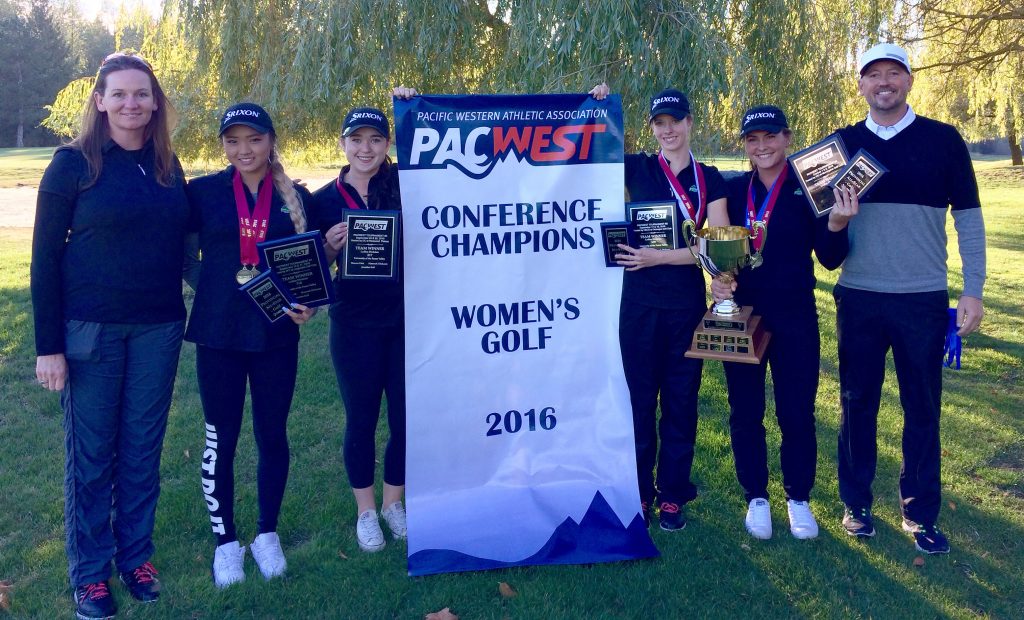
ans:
x=727 y=332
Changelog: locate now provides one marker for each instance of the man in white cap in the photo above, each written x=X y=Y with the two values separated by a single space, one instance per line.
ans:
x=892 y=293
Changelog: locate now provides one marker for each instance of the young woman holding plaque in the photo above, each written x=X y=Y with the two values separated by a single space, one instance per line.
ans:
x=106 y=298
x=368 y=328
x=781 y=292
x=251 y=200
x=663 y=300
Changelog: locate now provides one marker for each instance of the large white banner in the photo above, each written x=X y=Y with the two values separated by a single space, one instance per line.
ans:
x=520 y=437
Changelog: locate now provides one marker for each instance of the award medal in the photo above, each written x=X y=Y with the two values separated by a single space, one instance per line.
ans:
x=246 y=273
x=251 y=228
x=352 y=204
x=765 y=213
x=686 y=206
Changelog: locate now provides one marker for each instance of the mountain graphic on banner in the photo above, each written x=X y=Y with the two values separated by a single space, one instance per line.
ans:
x=598 y=537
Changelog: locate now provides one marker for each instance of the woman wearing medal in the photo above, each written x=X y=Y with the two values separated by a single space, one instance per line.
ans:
x=106 y=297
x=252 y=200
x=367 y=329
x=781 y=291
x=663 y=300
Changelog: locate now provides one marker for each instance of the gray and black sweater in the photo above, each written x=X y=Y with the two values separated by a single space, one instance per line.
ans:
x=897 y=242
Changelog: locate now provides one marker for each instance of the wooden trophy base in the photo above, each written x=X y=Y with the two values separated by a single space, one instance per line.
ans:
x=737 y=338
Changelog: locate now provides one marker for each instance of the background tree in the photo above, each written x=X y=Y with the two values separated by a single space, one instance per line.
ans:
x=310 y=60
x=89 y=41
x=313 y=56
x=34 y=65
x=975 y=48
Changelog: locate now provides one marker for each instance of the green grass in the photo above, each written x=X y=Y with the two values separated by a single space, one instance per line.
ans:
x=23 y=166
x=711 y=569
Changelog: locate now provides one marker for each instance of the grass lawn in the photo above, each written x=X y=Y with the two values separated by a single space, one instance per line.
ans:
x=23 y=166
x=710 y=569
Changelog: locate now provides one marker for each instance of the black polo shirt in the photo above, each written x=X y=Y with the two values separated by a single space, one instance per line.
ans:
x=222 y=317
x=110 y=252
x=666 y=286
x=794 y=232
x=366 y=303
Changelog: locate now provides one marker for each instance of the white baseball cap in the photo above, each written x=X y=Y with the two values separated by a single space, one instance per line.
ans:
x=884 y=51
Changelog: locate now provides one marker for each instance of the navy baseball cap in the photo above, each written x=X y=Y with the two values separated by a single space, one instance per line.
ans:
x=248 y=114
x=763 y=118
x=672 y=102
x=365 y=117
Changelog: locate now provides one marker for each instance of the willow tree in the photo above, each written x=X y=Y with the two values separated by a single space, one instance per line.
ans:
x=310 y=60
x=975 y=50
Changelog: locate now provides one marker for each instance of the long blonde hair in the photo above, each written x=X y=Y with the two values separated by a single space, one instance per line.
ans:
x=286 y=188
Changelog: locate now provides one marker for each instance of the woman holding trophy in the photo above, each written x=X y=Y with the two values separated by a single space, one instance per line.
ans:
x=663 y=300
x=781 y=291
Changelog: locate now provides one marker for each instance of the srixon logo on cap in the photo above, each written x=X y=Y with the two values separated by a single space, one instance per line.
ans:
x=360 y=115
x=759 y=115
x=243 y=112
x=662 y=100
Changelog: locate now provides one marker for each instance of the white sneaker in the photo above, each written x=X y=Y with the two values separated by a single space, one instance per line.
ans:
x=227 y=564
x=368 y=532
x=759 y=518
x=266 y=550
x=801 y=520
x=395 y=517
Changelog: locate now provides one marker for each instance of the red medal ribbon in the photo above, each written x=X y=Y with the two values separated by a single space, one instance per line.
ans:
x=352 y=204
x=690 y=212
x=252 y=228
x=767 y=206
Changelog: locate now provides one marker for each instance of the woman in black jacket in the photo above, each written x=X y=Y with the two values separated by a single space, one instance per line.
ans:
x=106 y=298
x=781 y=291
x=250 y=201
x=368 y=329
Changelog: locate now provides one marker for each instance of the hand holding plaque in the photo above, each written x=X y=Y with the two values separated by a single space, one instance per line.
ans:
x=727 y=332
x=614 y=234
x=815 y=167
x=269 y=294
x=654 y=224
x=371 y=249
x=860 y=174
x=300 y=263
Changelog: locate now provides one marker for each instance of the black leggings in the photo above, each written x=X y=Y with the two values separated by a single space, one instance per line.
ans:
x=222 y=378
x=370 y=362
x=794 y=356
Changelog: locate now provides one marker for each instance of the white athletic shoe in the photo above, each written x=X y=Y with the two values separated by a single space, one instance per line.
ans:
x=368 y=532
x=395 y=517
x=801 y=520
x=227 y=564
x=266 y=550
x=759 y=518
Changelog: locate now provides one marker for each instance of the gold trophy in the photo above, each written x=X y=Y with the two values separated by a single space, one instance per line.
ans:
x=727 y=332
